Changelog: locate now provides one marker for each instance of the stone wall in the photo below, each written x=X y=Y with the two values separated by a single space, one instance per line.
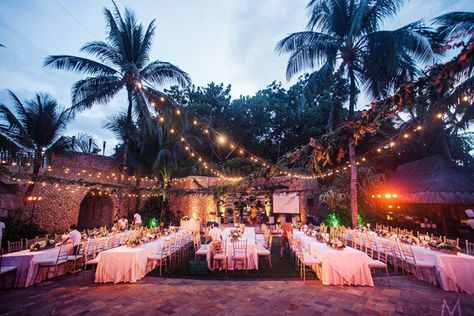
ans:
x=193 y=201
x=60 y=203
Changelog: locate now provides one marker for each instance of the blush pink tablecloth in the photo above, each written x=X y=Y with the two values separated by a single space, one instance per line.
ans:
x=125 y=264
x=25 y=261
x=339 y=267
x=252 y=257
x=454 y=272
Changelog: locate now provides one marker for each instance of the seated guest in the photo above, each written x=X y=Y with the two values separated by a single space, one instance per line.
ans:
x=123 y=223
x=137 y=221
x=75 y=237
x=215 y=233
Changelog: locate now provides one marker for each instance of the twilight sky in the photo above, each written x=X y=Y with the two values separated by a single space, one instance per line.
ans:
x=230 y=41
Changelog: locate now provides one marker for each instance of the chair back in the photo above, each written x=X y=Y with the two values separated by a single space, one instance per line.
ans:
x=395 y=246
x=407 y=253
x=240 y=247
x=165 y=249
x=469 y=247
x=297 y=247
x=64 y=252
x=29 y=242
x=14 y=246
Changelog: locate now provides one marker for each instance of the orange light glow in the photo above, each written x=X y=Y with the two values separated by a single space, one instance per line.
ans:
x=388 y=196
x=379 y=196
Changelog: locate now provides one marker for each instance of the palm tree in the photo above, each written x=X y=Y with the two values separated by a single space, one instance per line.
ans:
x=35 y=127
x=346 y=34
x=85 y=143
x=122 y=62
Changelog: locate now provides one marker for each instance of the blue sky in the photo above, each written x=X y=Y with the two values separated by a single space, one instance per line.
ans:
x=230 y=41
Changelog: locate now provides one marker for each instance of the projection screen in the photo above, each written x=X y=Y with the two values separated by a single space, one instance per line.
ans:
x=287 y=203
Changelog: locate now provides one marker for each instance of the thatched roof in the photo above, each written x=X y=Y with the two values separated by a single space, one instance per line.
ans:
x=433 y=180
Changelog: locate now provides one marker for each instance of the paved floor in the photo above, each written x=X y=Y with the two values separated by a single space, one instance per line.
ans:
x=71 y=295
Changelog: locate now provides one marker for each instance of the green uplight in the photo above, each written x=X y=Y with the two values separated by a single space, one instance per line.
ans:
x=153 y=223
x=333 y=221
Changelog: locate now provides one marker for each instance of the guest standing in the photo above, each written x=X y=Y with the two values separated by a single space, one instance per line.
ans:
x=75 y=237
x=286 y=234
x=215 y=233
x=137 y=221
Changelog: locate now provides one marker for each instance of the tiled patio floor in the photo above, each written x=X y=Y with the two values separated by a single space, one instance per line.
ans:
x=71 y=295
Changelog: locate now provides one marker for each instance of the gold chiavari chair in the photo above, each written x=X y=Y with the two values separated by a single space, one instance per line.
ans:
x=14 y=246
x=220 y=254
x=54 y=264
x=29 y=242
x=161 y=257
x=469 y=248
x=239 y=253
x=378 y=260
x=304 y=260
x=266 y=250
x=419 y=265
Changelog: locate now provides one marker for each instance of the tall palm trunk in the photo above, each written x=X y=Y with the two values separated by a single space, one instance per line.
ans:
x=352 y=155
x=36 y=167
x=123 y=166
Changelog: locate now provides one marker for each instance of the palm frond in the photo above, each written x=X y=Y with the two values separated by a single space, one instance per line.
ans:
x=103 y=51
x=73 y=63
x=160 y=72
x=455 y=23
x=94 y=90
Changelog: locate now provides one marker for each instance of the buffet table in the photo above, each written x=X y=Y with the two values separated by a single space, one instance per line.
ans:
x=339 y=267
x=252 y=257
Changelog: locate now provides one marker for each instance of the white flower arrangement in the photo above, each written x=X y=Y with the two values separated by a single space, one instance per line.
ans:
x=44 y=244
x=336 y=243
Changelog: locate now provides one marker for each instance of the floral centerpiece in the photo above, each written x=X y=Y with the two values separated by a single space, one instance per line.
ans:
x=336 y=243
x=409 y=239
x=135 y=241
x=42 y=245
x=235 y=234
x=444 y=246
x=322 y=237
x=383 y=233
x=151 y=236
x=100 y=233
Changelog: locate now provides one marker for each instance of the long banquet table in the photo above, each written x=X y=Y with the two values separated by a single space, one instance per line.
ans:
x=26 y=260
x=455 y=272
x=339 y=267
x=125 y=264
x=252 y=257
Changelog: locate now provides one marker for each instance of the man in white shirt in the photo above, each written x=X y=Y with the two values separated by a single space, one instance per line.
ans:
x=75 y=237
x=215 y=234
x=2 y=228
x=123 y=223
x=137 y=221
